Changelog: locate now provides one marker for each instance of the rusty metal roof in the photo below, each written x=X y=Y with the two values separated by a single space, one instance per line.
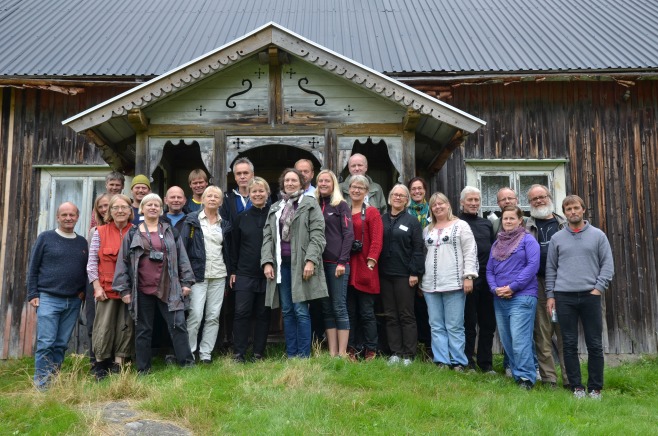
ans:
x=74 y=38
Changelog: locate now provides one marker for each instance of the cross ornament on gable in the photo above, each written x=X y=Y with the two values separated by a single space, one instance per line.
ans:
x=201 y=109
x=348 y=110
x=237 y=143
x=258 y=110
x=292 y=112
x=259 y=73
x=291 y=72
x=313 y=142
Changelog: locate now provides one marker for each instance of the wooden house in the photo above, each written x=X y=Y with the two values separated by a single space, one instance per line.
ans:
x=564 y=104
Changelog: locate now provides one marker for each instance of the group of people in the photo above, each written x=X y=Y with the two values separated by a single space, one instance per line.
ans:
x=343 y=248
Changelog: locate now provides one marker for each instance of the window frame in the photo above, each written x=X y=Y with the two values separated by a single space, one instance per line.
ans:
x=554 y=169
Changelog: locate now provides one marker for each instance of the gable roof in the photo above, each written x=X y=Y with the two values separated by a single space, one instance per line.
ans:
x=75 y=38
x=439 y=121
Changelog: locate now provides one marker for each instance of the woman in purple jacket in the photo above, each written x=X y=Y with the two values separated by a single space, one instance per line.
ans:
x=339 y=235
x=512 y=276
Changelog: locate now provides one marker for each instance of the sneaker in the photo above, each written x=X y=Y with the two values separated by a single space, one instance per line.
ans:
x=393 y=360
x=538 y=376
x=579 y=393
x=595 y=394
x=491 y=372
x=370 y=355
x=458 y=368
x=441 y=365
x=407 y=362
x=508 y=372
x=525 y=384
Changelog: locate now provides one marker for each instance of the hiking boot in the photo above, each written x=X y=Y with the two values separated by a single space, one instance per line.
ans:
x=579 y=393
x=115 y=368
x=458 y=368
x=370 y=355
x=595 y=394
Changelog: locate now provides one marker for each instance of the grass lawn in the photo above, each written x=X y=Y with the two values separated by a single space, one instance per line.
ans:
x=326 y=395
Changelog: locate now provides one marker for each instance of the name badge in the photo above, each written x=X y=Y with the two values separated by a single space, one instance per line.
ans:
x=403 y=228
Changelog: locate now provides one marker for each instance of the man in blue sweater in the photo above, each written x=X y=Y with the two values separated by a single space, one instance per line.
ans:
x=579 y=269
x=56 y=282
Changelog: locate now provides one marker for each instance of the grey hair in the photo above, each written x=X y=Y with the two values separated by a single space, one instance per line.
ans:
x=150 y=197
x=243 y=160
x=406 y=191
x=469 y=190
x=545 y=188
x=359 y=179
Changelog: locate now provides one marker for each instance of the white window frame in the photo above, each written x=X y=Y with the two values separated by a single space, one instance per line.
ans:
x=554 y=169
x=49 y=177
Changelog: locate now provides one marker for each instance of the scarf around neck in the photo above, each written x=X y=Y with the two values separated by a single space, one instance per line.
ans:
x=420 y=211
x=507 y=243
x=288 y=212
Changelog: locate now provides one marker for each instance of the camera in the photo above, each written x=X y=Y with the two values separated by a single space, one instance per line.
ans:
x=357 y=246
x=156 y=256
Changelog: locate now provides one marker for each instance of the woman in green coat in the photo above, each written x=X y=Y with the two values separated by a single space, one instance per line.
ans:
x=293 y=243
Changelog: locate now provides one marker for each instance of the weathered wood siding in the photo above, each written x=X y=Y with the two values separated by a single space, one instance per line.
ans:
x=31 y=133
x=612 y=147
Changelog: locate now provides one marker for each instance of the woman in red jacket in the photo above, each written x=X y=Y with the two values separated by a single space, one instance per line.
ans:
x=364 y=274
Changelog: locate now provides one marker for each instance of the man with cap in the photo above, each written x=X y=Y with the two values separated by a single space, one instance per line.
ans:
x=139 y=187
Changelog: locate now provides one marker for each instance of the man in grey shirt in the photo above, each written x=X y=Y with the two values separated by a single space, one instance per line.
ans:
x=579 y=269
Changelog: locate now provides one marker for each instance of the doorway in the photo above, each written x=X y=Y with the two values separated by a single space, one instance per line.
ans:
x=178 y=160
x=269 y=161
x=380 y=166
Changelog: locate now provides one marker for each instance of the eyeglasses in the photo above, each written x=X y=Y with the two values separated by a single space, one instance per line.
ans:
x=358 y=188
x=399 y=195
x=538 y=198
x=116 y=208
x=506 y=199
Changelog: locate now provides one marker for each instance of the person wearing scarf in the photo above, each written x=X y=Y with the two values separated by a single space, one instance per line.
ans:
x=512 y=277
x=291 y=258
x=419 y=208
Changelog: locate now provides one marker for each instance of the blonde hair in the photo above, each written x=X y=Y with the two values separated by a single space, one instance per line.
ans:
x=114 y=199
x=213 y=188
x=150 y=197
x=259 y=181
x=433 y=199
x=336 y=195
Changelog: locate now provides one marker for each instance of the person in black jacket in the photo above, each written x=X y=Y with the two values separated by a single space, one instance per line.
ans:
x=206 y=237
x=401 y=264
x=479 y=309
x=247 y=279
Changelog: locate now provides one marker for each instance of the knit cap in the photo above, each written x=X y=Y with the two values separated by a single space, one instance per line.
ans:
x=140 y=179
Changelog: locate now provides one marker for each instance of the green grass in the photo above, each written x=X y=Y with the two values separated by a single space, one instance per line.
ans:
x=329 y=396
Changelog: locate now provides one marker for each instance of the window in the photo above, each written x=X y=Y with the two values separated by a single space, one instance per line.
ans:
x=491 y=175
x=79 y=186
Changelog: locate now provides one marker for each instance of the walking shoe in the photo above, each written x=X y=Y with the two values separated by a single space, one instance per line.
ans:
x=353 y=354
x=441 y=365
x=525 y=384
x=115 y=368
x=538 y=376
x=393 y=360
x=370 y=355
x=458 y=368
x=407 y=362
x=579 y=393
x=508 y=372
x=257 y=357
x=595 y=394
x=238 y=358
x=170 y=359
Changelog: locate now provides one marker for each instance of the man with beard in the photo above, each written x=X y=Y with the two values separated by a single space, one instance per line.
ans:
x=479 y=309
x=579 y=269
x=543 y=224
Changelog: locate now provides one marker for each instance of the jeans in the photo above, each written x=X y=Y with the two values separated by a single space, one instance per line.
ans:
x=176 y=325
x=361 y=305
x=516 y=318
x=248 y=303
x=570 y=307
x=296 y=317
x=398 y=302
x=480 y=323
x=207 y=297
x=334 y=307
x=56 y=318
x=446 y=313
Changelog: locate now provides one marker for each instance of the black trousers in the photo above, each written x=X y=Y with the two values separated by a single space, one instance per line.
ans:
x=479 y=312
x=250 y=304
x=398 y=301
x=176 y=325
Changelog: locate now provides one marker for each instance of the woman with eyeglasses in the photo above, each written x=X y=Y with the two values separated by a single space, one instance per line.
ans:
x=112 y=340
x=401 y=264
x=154 y=273
x=450 y=267
x=364 y=275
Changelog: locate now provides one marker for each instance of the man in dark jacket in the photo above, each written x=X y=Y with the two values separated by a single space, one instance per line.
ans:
x=57 y=277
x=479 y=315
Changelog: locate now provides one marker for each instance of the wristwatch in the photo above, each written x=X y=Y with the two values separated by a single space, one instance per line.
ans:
x=469 y=277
